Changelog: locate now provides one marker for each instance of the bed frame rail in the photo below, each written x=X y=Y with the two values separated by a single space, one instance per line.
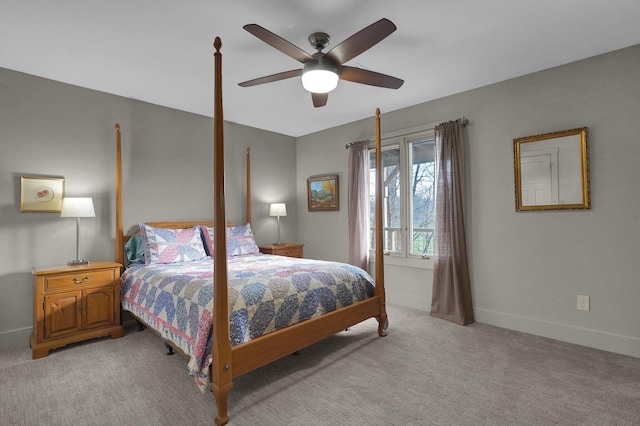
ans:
x=268 y=348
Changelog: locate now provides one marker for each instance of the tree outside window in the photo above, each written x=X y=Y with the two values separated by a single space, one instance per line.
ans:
x=409 y=196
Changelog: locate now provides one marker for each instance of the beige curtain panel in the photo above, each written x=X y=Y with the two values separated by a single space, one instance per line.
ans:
x=359 y=204
x=451 y=297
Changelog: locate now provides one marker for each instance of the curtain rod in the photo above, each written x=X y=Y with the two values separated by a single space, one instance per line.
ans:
x=465 y=121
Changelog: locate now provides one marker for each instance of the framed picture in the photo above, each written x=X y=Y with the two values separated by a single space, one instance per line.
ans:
x=41 y=194
x=322 y=193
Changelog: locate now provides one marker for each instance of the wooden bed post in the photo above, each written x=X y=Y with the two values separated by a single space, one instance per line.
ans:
x=379 y=291
x=248 y=185
x=221 y=380
x=119 y=226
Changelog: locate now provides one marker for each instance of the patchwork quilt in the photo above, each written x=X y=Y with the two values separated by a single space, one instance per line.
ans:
x=266 y=293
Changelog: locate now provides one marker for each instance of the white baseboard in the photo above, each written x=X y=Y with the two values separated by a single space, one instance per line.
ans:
x=611 y=342
x=408 y=300
x=17 y=338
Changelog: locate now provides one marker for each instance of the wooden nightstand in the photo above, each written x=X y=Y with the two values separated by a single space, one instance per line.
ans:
x=291 y=250
x=74 y=303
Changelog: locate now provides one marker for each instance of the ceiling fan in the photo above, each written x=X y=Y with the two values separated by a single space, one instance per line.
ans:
x=321 y=71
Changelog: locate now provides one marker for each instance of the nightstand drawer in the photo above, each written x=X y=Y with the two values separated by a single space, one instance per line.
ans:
x=291 y=252
x=52 y=282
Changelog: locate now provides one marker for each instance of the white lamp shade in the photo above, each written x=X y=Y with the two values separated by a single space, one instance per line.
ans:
x=77 y=207
x=319 y=81
x=278 y=209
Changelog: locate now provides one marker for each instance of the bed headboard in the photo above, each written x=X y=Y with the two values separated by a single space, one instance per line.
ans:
x=177 y=225
x=122 y=238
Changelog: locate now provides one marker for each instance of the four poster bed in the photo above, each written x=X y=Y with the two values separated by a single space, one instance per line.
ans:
x=229 y=308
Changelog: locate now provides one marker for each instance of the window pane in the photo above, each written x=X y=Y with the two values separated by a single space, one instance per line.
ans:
x=391 y=201
x=422 y=181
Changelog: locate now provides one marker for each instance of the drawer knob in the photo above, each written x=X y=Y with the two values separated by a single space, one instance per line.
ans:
x=80 y=281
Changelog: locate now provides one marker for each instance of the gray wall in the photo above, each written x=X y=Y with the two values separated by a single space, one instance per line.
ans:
x=54 y=129
x=526 y=268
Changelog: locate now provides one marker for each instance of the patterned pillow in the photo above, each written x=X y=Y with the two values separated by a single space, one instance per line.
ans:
x=171 y=245
x=240 y=241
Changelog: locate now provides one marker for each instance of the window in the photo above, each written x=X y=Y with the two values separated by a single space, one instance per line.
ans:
x=408 y=207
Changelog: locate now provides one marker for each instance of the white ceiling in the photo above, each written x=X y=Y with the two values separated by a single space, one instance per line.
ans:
x=160 y=51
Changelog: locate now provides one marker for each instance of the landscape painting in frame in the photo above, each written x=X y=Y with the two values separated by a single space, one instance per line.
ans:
x=41 y=194
x=322 y=192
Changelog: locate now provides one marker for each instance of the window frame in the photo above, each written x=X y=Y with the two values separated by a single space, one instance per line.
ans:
x=404 y=140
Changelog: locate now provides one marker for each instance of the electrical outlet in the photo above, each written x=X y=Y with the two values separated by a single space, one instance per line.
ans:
x=583 y=303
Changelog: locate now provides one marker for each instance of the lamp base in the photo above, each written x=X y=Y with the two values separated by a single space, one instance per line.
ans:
x=279 y=244
x=77 y=262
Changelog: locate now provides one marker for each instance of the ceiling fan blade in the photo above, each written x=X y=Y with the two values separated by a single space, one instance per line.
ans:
x=271 y=78
x=279 y=43
x=361 y=41
x=359 y=75
x=319 y=99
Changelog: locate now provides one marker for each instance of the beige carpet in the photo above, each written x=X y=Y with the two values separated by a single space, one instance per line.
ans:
x=425 y=372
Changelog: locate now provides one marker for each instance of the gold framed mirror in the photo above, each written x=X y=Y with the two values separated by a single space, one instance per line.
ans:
x=552 y=171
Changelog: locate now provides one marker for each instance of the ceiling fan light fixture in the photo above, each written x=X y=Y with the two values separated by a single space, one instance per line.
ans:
x=319 y=80
x=321 y=71
x=320 y=76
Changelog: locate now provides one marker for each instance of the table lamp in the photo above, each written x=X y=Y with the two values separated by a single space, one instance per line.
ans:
x=278 y=209
x=77 y=207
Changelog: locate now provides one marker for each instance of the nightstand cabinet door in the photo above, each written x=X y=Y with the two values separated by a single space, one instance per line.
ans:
x=98 y=307
x=62 y=314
